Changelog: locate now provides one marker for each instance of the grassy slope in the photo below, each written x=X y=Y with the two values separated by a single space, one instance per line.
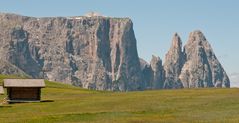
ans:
x=72 y=104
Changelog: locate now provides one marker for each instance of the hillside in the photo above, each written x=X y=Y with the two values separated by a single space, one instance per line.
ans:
x=65 y=103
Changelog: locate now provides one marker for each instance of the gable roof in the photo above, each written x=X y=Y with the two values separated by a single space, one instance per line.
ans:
x=24 y=83
x=1 y=90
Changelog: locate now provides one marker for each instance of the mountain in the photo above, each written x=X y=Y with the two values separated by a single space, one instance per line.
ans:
x=93 y=52
x=201 y=67
x=173 y=64
x=100 y=53
x=196 y=66
x=153 y=73
x=8 y=68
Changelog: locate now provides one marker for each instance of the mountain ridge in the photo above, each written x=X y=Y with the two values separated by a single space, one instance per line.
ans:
x=101 y=53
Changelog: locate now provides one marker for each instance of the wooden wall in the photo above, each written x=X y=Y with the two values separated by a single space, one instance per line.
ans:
x=21 y=93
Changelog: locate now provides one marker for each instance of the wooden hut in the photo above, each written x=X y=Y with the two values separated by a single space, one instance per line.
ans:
x=23 y=90
x=1 y=90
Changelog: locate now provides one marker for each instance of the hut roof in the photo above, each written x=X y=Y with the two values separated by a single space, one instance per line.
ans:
x=1 y=90
x=24 y=83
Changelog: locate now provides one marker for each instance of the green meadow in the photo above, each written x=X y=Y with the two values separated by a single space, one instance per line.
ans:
x=67 y=104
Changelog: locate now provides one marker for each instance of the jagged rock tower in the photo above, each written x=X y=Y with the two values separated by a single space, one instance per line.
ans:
x=201 y=68
x=173 y=64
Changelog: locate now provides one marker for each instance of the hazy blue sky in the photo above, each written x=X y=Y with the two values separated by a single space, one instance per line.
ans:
x=155 y=21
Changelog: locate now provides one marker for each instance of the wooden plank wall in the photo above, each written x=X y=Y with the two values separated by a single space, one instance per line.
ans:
x=24 y=93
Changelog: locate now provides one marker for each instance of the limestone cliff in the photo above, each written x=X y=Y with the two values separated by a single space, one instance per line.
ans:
x=93 y=52
x=195 y=67
x=202 y=68
x=173 y=64
x=100 y=53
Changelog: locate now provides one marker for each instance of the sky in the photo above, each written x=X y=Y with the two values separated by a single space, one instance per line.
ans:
x=155 y=22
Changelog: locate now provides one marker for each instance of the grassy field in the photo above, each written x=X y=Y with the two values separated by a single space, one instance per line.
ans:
x=68 y=104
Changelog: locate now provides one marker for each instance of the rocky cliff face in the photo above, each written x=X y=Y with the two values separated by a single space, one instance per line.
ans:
x=157 y=77
x=195 y=67
x=100 y=53
x=173 y=64
x=153 y=73
x=8 y=68
x=201 y=69
x=92 y=52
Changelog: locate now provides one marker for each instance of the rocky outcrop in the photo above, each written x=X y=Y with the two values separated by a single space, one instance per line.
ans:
x=195 y=67
x=19 y=54
x=147 y=73
x=153 y=73
x=93 y=52
x=7 y=68
x=202 y=68
x=97 y=52
x=173 y=64
x=157 y=78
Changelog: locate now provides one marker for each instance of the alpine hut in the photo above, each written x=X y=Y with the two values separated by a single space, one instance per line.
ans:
x=23 y=90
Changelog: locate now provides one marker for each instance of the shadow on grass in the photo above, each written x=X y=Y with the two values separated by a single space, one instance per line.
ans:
x=5 y=106
x=47 y=101
x=42 y=101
